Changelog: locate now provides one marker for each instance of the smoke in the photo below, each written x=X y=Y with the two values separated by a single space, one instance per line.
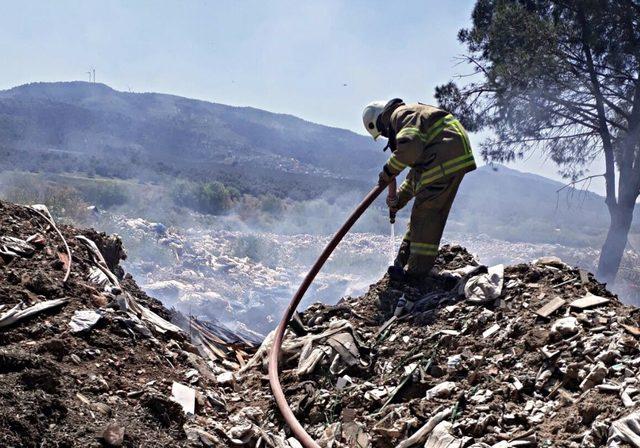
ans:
x=242 y=267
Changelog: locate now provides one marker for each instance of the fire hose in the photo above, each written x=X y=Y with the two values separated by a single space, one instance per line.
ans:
x=291 y=420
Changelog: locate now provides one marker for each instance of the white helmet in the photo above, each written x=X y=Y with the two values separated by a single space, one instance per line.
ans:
x=370 y=117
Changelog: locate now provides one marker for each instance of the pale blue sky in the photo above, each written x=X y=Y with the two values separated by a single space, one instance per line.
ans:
x=283 y=56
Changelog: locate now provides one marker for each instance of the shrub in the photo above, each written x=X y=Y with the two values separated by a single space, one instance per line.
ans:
x=206 y=197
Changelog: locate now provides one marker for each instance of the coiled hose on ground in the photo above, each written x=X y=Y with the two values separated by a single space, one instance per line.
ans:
x=291 y=420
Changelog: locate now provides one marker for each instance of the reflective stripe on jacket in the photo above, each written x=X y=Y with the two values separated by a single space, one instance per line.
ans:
x=431 y=141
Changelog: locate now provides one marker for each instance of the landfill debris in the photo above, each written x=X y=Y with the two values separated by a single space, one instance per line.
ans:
x=488 y=370
x=625 y=431
x=421 y=434
x=83 y=320
x=184 y=396
x=60 y=390
x=42 y=211
x=552 y=306
x=403 y=306
x=441 y=437
x=485 y=287
x=18 y=312
x=567 y=326
x=588 y=301
x=15 y=247
x=442 y=390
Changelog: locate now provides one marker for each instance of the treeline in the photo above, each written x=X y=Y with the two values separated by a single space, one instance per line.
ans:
x=70 y=196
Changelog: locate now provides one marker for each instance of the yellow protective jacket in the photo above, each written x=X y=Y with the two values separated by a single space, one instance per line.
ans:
x=430 y=141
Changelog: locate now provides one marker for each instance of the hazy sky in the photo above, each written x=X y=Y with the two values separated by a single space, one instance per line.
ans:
x=320 y=60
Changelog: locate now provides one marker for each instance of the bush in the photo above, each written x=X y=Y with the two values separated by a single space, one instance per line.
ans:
x=105 y=194
x=208 y=197
x=62 y=201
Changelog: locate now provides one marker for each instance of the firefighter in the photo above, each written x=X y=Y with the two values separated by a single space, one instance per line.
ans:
x=435 y=146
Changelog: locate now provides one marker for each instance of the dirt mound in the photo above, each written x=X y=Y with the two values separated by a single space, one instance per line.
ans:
x=92 y=360
x=535 y=354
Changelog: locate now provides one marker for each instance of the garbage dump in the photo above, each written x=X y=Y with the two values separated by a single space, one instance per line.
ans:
x=93 y=360
x=536 y=354
x=245 y=278
x=533 y=355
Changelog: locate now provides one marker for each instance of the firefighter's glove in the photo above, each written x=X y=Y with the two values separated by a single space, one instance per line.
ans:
x=384 y=177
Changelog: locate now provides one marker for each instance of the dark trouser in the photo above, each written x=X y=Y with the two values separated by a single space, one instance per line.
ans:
x=419 y=248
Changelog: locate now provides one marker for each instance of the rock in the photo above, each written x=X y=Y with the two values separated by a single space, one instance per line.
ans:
x=567 y=326
x=597 y=374
x=113 y=434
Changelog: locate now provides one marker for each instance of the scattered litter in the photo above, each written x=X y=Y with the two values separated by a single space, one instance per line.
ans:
x=551 y=307
x=485 y=287
x=625 y=430
x=442 y=390
x=567 y=326
x=18 y=313
x=588 y=301
x=493 y=329
x=15 y=247
x=184 y=396
x=83 y=320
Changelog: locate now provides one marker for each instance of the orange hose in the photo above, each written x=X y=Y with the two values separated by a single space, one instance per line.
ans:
x=298 y=431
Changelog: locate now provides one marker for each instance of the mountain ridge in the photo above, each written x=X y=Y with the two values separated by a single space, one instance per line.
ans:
x=150 y=135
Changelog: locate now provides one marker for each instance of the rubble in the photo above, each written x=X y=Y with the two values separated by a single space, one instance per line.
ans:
x=462 y=372
x=80 y=357
x=516 y=362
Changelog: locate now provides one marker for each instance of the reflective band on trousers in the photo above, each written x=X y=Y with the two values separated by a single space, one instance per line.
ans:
x=423 y=248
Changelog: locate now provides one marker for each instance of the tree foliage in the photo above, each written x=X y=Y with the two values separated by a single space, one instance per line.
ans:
x=561 y=77
x=205 y=197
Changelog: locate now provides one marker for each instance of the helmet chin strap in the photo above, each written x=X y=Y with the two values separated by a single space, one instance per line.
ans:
x=381 y=126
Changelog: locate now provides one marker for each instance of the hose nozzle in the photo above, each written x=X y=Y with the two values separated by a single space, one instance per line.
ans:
x=391 y=193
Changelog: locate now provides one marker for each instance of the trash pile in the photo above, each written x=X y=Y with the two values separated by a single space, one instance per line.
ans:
x=242 y=278
x=245 y=277
x=535 y=354
x=86 y=357
x=493 y=251
x=532 y=355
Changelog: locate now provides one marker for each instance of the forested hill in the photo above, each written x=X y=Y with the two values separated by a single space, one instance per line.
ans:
x=94 y=129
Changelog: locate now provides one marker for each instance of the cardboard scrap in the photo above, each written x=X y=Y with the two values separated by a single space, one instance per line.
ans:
x=588 y=301
x=551 y=307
